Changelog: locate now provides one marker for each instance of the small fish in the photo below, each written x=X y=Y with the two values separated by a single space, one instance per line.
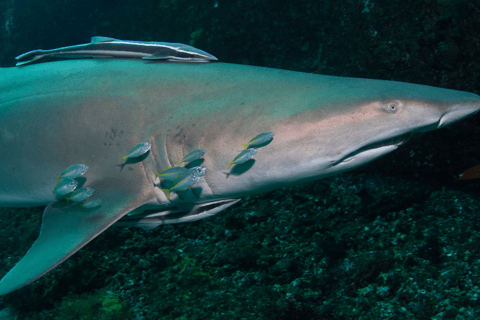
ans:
x=242 y=157
x=88 y=204
x=185 y=180
x=138 y=150
x=105 y=47
x=65 y=186
x=170 y=173
x=259 y=139
x=73 y=172
x=193 y=155
x=80 y=194
x=472 y=173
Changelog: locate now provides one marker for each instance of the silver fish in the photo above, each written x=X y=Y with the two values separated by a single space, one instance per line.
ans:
x=170 y=173
x=243 y=157
x=73 y=172
x=258 y=140
x=90 y=203
x=193 y=155
x=186 y=180
x=105 y=47
x=65 y=186
x=80 y=194
x=137 y=151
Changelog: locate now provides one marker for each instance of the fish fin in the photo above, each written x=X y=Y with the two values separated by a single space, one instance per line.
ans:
x=167 y=193
x=28 y=54
x=229 y=164
x=32 y=56
x=245 y=145
x=98 y=39
x=18 y=64
x=67 y=228
x=472 y=173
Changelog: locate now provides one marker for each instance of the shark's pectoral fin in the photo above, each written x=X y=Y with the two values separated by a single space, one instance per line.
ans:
x=186 y=212
x=67 y=228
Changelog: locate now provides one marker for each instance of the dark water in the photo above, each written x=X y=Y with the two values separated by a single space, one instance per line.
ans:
x=396 y=239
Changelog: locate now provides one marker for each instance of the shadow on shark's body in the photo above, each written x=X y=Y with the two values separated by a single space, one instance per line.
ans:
x=57 y=114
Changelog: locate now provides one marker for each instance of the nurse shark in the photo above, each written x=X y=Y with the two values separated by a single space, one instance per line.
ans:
x=57 y=114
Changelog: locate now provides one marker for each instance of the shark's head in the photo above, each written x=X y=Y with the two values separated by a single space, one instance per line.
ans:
x=333 y=133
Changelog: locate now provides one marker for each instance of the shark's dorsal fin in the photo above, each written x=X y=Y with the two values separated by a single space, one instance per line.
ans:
x=67 y=228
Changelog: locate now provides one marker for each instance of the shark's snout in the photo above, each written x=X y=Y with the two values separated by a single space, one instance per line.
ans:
x=457 y=113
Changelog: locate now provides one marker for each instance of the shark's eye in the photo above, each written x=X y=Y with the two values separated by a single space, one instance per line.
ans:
x=392 y=107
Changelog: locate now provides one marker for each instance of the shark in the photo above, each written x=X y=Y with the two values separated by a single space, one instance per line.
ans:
x=57 y=114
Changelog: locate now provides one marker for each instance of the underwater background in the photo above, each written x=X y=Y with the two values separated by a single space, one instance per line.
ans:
x=396 y=239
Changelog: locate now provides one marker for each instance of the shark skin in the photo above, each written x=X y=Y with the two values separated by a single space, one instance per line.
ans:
x=92 y=112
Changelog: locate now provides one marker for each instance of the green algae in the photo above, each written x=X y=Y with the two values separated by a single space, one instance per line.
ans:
x=96 y=306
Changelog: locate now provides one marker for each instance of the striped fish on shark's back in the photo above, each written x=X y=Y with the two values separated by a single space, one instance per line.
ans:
x=105 y=47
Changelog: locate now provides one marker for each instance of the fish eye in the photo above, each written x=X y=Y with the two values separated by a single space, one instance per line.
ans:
x=392 y=106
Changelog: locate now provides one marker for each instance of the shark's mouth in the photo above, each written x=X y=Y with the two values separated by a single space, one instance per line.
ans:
x=377 y=145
